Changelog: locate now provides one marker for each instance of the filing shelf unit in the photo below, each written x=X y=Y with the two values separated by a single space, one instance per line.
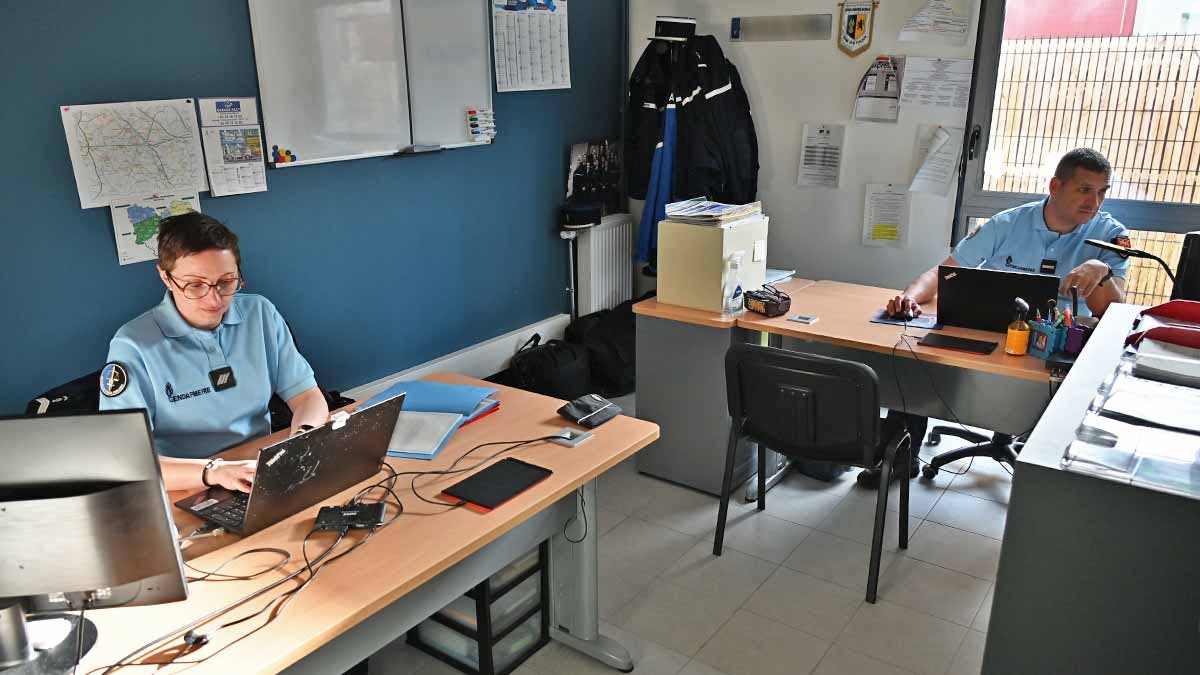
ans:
x=485 y=605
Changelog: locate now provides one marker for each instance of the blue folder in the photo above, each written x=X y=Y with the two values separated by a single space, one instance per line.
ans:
x=424 y=396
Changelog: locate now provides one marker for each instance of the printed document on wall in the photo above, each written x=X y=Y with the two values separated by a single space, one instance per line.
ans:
x=878 y=98
x=937 y=83
x=134 y=148
x=885 y=215
x=233 y=147
x=135 y=223
x=943 y=22
x=531 y=47
x=821 y=155
x=939 y=149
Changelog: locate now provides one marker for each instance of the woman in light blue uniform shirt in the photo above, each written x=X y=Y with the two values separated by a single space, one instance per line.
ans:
x=205 y=361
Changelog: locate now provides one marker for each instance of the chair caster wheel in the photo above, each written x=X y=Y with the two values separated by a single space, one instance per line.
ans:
x=929 y=471
x=934 y=439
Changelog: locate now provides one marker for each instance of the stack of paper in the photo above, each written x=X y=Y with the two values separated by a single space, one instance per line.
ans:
x=433 y=411
x=1167 y=362
x=699 y=211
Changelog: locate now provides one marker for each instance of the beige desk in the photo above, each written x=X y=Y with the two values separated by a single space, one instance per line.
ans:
x=681 y=387
x=409 y=569
x=994 y=391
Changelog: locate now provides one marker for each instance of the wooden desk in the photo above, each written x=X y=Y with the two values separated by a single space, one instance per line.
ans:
x=653 y=308
x=681 y=386
x=844 y=312
x=995 y=391
x=409 y=569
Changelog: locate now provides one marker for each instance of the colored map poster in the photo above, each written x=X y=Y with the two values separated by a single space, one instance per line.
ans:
x=135 y=224
x=135 y=148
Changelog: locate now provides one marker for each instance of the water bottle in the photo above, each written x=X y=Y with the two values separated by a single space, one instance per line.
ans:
x=731 y=284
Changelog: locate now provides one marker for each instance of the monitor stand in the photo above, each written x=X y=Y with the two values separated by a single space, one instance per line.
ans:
x=17 y=655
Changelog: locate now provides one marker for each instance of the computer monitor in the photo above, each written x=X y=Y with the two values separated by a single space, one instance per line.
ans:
x=86 y=522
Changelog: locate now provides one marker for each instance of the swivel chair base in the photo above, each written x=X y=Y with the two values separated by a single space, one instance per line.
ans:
x=1000 y=447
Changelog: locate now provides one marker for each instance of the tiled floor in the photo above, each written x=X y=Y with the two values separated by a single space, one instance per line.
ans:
x=787 y=595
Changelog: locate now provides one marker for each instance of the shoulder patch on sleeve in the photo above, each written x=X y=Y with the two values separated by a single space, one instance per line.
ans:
x=974 y=231
x=1122 y=241
x=114 y=379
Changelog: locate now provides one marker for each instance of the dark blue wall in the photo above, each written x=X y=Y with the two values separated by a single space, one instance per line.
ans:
x=378 y=264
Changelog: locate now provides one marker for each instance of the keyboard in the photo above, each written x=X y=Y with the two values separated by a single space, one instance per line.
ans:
x=231 y=512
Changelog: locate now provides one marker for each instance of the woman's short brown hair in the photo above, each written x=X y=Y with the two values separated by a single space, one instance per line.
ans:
x=188 y=233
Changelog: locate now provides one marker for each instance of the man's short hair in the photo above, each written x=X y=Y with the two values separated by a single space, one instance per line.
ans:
x=189 y=233
x=1081 y=158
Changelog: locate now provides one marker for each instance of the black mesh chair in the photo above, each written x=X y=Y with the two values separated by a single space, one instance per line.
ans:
x=812 y=408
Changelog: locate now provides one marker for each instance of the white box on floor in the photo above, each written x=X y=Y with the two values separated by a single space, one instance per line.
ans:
x=691 y=260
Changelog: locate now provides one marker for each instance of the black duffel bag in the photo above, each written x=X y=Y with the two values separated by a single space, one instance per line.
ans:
x=557 y=369
x=611 y=342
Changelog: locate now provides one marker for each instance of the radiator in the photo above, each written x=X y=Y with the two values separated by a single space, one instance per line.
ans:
x=605 y=264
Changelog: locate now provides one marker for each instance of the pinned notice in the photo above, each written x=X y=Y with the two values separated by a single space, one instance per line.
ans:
x=821 y=156
x=885 y=215
x=939 y=149
x=878 y=98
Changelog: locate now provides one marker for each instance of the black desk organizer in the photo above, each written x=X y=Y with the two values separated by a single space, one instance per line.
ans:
x=496 y=626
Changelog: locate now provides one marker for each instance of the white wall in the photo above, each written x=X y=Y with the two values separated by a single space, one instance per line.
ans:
x=818 y=231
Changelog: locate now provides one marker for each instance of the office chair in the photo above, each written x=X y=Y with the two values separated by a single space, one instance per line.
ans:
x=1000 y=447
x=813 y=408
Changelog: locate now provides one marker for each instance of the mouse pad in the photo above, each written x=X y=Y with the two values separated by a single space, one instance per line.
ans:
x=496 y=484
x=924 y=321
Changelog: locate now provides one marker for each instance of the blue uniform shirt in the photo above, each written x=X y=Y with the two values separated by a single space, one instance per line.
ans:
x=167 y=365
x=1018 y=240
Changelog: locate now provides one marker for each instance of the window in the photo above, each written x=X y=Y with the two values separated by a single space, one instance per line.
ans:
x=1121 y=77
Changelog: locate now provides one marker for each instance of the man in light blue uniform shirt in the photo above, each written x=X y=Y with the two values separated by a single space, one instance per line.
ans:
x=1047 y=236
x=205 y=361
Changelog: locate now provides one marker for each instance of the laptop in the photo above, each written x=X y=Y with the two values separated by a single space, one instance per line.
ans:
x=979 y=298
x=303 y=470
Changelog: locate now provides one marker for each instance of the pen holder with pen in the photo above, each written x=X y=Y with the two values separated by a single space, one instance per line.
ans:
x=1076 y=338
x=1045 y=339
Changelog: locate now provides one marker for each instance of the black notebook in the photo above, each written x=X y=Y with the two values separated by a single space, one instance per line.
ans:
x=496 y=484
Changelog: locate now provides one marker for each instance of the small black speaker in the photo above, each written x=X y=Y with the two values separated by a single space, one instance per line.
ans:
x=1187 y=277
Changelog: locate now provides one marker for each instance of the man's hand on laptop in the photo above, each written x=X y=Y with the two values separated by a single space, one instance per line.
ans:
x=901 y=304
x=1086 y=277
x=237 y=476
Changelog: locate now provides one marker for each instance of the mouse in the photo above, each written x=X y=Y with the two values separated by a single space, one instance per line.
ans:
x=904 y=315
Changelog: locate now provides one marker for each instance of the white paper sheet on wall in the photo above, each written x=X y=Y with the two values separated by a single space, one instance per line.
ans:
x=878 y=97
x=942 y=22
x=821 y=155
x=531 y=46
x=885 y=215
x=938 y=148
x=937 y=83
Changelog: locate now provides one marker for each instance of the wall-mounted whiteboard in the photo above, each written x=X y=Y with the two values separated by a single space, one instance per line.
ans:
x=347 y=79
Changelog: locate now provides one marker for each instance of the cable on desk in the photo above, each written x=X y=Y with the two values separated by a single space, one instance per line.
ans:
x=217 y=575
x=513 y=445
x=312 y=566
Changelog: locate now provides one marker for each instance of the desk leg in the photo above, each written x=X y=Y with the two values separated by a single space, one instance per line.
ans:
x=574 y=569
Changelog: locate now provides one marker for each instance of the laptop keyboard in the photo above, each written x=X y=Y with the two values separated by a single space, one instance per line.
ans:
x=231 y=512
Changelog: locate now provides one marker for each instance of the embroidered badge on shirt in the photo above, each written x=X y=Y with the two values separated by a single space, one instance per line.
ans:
x=114 y=379
x=222 y=378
